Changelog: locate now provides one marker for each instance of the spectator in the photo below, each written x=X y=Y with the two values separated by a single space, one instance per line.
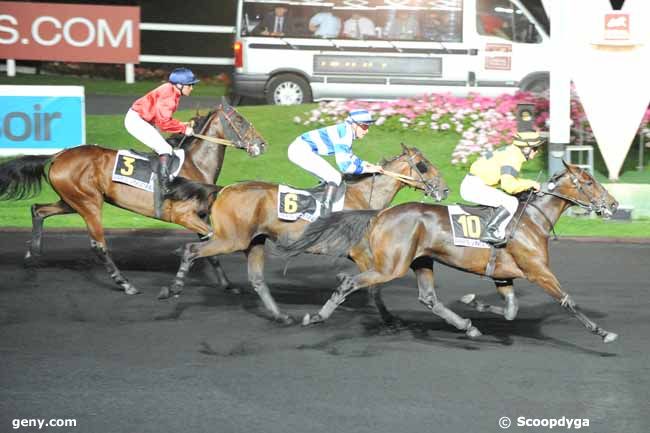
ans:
x=358 y=27
x=402 y=25
x=435 y=27
x=325 y=25
x=492 y=25
x=275 y=23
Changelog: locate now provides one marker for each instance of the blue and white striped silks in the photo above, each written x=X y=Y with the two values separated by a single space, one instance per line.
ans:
x=336 y=140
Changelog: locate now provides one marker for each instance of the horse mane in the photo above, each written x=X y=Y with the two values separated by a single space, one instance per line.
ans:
x=181 y=189
x=199 y=123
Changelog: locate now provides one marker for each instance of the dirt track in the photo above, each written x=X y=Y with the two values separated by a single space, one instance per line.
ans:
x=212 y=362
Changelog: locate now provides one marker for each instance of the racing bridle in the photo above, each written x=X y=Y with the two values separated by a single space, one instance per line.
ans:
x=592 y=202
x=241 y=136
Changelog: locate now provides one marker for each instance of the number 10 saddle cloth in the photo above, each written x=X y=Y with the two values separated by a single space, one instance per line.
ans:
x=468 y=224
x=306 y=204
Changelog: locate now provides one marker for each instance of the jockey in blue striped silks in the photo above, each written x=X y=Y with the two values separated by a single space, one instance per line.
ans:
x=333 y=140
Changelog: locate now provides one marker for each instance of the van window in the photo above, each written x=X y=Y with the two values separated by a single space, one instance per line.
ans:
x=341 y=21
x=502 y=19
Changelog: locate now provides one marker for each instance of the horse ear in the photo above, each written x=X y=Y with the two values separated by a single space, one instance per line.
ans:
x=567 y=165
x=404 y=148
x=224 y=101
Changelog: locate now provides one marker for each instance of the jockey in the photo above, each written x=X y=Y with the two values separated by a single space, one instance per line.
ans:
x=333 y=140
x=501 y=168
x=153 y=112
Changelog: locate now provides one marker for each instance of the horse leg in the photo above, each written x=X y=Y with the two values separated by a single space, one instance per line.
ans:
x=191 y=252
x=223 y=282
x=427 y=296
x=90 y=209
x=346 y=286
x=255 y=255
x=541 y=275
x=39 y=213
x=506 y=290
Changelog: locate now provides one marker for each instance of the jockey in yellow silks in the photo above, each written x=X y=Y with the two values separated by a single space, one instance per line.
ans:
x=501 y=169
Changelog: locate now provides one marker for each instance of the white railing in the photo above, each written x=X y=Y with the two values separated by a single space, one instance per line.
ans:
x=129 y=71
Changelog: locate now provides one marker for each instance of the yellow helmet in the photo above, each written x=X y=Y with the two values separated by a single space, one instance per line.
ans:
x=527 y=139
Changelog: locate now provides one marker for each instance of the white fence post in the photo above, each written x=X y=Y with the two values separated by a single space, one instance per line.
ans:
x=11 y=68
x=129 y=73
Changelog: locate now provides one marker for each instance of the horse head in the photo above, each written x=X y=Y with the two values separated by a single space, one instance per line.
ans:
x=229 y=124
x=579 y=187
x=419 y=173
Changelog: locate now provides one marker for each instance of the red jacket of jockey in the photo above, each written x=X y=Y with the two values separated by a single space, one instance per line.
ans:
x=158 y=106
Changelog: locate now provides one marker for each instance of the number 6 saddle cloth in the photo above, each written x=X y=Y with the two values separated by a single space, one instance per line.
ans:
x=134 y=168
x=306 y=204
x=468 y=224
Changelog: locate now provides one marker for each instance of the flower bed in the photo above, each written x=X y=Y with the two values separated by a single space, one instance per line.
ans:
x=483 y=123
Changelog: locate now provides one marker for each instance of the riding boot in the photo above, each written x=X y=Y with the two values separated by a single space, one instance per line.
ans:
x=328 y=200
x=162 y=183
x=492 y=228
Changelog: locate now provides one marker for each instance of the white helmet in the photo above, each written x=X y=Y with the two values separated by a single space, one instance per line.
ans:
x=360 y=116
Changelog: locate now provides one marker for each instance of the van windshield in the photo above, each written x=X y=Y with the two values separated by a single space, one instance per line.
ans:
x=436 y=21
x=502 y=19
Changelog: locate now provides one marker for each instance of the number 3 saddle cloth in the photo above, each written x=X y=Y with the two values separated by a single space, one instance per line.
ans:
x=306 y=204
x=134 y=168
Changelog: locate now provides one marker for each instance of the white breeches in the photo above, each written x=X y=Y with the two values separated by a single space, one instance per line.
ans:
x=300 y=153
x=473 y=189
x=146 y=133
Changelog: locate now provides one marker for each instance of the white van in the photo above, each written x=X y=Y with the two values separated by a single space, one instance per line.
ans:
x=304 y=50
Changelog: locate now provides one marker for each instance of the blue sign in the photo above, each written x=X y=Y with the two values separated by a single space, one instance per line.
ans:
x=40 y=119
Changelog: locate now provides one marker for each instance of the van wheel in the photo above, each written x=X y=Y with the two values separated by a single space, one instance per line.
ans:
x=288 y=89
x=538 y=83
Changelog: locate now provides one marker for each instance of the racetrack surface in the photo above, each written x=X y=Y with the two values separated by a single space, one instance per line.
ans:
x=211 y=361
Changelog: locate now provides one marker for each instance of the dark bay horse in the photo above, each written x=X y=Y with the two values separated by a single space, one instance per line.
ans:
x=81 y=176
x=244 y=215
x=385 y=244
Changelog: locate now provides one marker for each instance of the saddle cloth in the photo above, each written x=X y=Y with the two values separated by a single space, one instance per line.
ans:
x=306 y=204
x=468 y=224
x=134 y=168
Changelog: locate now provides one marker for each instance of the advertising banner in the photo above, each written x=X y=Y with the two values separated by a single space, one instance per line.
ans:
x=69 y=33
x=38 y=120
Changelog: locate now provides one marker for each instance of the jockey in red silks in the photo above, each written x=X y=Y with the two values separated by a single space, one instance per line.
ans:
x=153 y=112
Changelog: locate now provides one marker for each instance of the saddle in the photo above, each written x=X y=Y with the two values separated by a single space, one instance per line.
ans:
x=294 y=203
x=136 y=168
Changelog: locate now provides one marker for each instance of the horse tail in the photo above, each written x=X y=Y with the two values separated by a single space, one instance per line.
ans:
x=334 y=235
x=184 y=189
x=21 y=178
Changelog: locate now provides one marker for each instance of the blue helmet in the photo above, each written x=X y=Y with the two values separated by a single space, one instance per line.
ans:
x=182 y=76
x=360 y=116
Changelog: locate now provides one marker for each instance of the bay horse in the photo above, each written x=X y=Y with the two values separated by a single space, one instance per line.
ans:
x=385 y=244
x=81 y=176
x=244 y=215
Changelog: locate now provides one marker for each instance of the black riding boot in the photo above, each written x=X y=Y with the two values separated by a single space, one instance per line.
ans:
x=492 y=227
x=328 y=200
x=161 y=184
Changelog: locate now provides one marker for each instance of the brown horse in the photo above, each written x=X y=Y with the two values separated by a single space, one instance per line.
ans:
x=244 y=215
x=385 y=244
x=81 y=176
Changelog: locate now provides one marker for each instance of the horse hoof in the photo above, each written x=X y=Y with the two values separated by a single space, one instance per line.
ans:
x=473 y=332
x=130 y=290
x=164 y=293
x=609 y=337
x=308 y=319
x=468 y=299
x=285 y=319
x=232 y=290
